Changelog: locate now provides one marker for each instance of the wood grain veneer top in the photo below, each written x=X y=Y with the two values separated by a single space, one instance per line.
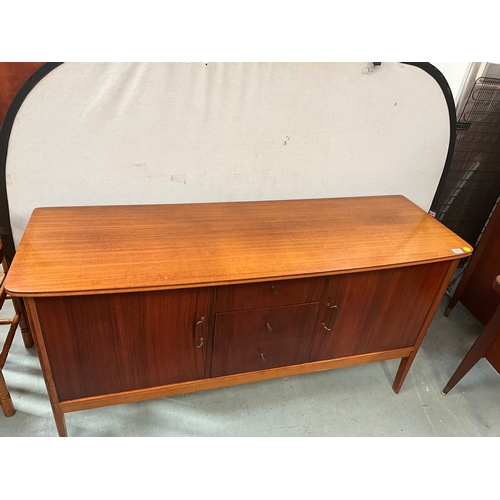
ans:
x=100 y=249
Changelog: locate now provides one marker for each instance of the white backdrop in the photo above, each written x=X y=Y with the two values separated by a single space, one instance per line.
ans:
x=142 y=133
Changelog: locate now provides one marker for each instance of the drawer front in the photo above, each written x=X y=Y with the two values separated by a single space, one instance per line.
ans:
x=268 y=294
x=259 y=356
x=264 y=325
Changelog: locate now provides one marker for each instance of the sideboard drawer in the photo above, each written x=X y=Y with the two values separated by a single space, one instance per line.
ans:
x=260 y=356
x=268 y=294
x=264 y=325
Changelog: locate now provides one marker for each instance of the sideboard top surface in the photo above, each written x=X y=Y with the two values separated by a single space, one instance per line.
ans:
x=102 y=249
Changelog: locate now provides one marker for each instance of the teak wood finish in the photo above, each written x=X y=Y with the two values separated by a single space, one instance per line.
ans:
x=136 y=302
x=481 y=346
x=474 y=290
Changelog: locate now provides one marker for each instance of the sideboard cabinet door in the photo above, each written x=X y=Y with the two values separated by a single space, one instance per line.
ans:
x=375 y=311
x=120 y=342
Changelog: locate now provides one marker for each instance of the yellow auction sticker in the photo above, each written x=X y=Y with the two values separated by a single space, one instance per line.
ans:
x=467 y=249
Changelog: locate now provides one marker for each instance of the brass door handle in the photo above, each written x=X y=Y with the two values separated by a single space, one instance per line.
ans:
x=334 y=310
x=269 y=327
x=275 y=292
x=262 y=356
x=198 y=342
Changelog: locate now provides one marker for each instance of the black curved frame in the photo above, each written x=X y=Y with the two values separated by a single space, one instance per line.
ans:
x=450 y=101
x=5 y=131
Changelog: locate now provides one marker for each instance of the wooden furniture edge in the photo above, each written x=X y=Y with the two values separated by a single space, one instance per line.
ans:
x=36 y=330
x=476 y=352
x=406 y=362
x=480 y=347
x=482 y=244
x=229 y=380
x=29 y=295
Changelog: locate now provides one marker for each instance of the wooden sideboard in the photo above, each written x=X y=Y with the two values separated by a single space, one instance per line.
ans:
x=129 y=303
x=474 y=290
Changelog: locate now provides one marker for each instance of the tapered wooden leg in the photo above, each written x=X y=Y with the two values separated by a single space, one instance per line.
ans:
x=448 y=310
x=477 y=351
x=45 y=365
x=453 y=301
x=5 y=400
x=60 y=420
x=404 y=368
x=406 y=363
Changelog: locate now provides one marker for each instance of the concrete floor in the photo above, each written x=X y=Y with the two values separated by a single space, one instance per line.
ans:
x=355 y=401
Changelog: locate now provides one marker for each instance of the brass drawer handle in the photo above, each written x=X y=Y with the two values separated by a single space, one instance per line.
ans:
x=275 y=292
x=334 y=310
x=269 y=327
x=262 y=356
x=198 y=342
